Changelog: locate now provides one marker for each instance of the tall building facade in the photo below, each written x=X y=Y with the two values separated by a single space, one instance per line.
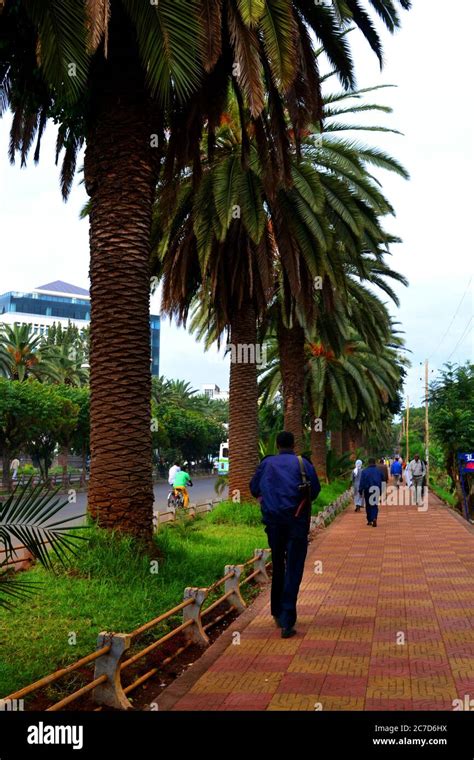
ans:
x=59 y=302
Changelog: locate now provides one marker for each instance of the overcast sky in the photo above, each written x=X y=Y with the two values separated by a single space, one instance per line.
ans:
x=42 y=239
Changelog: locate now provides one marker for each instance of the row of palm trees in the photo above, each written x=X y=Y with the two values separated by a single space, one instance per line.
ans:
x=151 y=89
x=25 y=354
x=294 y=268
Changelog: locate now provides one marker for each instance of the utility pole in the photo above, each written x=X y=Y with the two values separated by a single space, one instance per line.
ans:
x=407 y=428
x=427 y=422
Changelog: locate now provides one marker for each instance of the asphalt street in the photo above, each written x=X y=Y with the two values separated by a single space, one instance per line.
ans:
x=202 y=491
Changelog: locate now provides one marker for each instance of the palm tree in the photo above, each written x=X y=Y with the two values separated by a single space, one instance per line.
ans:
x=19 y=352
x=228 y=262
x=115 y=74
x=354 y=385
x=354 y=205
x=63 y=365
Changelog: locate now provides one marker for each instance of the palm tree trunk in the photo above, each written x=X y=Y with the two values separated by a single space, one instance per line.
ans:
x=336 y=442
x=318 y=445
x=346 y=440
x=243 y=403
x=291 y=350
x=121 y=174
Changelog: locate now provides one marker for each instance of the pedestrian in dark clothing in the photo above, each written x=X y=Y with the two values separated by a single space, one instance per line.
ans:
x=286 y=485
x=383 y=469
x=370 y=485
x=396 y=472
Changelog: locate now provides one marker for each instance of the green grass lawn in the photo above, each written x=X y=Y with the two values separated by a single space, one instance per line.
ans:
x=109 y=586
x=329 y=493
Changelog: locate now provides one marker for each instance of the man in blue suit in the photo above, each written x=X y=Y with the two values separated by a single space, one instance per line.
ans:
x=371 y=486
x=286 y=486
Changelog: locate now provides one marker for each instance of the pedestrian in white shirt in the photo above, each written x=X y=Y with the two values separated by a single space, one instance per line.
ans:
x=417 y=471
x=172 y=472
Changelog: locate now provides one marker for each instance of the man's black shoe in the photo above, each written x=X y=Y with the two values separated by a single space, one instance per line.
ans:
x=369 y=523
x=374 y=524
x=287 y=633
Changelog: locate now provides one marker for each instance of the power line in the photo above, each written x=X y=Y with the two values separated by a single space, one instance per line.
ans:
x=452 y=321
x=461 y=338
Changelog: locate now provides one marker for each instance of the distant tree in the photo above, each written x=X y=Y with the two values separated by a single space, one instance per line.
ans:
x=34 y=416
x=76 y=435
x=192 y=435
x=214 y=409
x=451 y=400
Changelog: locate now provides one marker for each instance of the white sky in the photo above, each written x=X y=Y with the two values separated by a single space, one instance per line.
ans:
x=42 y=239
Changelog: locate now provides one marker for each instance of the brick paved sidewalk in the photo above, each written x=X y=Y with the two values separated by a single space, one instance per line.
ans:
x=387 y=625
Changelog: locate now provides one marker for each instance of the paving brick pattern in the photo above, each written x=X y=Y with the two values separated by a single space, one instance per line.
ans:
x=387 y=625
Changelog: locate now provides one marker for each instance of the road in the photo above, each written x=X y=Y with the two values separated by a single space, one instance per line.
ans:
x=202 y=491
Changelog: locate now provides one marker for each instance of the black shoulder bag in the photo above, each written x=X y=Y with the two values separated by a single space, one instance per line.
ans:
x=304 y=489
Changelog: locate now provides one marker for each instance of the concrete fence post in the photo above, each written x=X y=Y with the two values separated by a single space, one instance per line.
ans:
x=110 y=692
x=232 y=584
x=195 y=632
x=261 y=556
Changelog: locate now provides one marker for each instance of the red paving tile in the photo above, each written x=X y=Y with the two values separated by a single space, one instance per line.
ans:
x=387 y=625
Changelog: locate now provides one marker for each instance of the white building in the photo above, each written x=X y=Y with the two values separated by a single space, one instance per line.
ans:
x=61 y=303
x=214 y=392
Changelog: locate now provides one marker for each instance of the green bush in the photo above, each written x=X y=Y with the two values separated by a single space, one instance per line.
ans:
x=27 y=469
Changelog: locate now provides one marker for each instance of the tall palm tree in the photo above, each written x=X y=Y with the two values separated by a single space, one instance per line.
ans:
x=354 y=205
x=228 y=261
x=115 y=74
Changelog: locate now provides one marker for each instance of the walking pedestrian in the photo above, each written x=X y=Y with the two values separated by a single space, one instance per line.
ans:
x=396 y=472
x=408 y=476
x=356 y=473
x=370 y=486
x=15 y=463
x=286 y=485
x=417 y=470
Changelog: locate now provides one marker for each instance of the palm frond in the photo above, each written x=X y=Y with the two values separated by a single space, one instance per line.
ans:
x=28 y=516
